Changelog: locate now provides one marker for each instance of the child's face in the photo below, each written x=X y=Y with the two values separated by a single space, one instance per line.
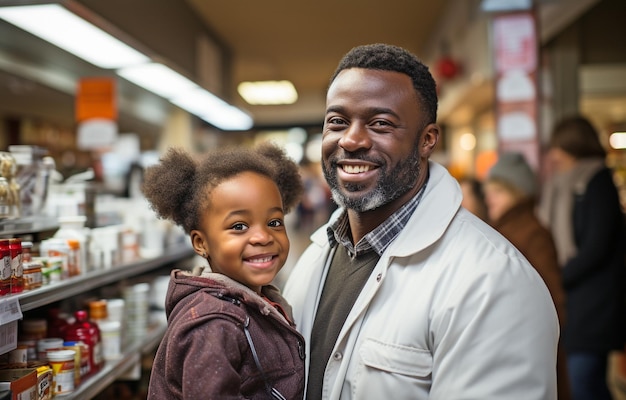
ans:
x=245 y=230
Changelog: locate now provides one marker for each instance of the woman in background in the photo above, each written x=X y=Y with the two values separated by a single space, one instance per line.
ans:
x=581 y=206
x=473 y=196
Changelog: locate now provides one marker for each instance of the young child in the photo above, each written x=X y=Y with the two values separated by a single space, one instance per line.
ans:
x=230 y=333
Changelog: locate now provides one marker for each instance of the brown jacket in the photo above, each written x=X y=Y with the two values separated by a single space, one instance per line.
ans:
x=205 y=354
x=522 y=227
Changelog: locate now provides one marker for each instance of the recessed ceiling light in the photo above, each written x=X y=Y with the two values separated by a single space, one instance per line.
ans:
x=268 y=92
x=617 y=140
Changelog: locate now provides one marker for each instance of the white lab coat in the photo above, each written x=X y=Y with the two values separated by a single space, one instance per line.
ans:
x=451 y=311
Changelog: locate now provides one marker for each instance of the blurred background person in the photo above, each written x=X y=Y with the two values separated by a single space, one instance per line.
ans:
x=511 y=191
x=473 y=196
x=580 y=204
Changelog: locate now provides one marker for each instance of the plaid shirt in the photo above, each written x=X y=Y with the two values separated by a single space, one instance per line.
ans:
x=379 y=238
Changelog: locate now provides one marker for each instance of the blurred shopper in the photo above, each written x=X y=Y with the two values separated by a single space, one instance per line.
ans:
x=473 y=196
x=581 y=206
x=404 y=294
x=511 y=191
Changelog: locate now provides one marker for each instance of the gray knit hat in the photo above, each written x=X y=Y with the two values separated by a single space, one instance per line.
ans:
x=512 y=168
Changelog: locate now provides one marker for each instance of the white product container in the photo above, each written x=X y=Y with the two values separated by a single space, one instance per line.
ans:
x=73 y=227
x=110 y=332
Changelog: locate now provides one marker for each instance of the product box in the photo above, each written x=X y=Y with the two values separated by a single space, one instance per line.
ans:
x=22 y=382
x=44 y=382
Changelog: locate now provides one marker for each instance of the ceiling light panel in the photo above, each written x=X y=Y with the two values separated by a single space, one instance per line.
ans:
x=268 y=92
x=158 y=78
x=59 y=26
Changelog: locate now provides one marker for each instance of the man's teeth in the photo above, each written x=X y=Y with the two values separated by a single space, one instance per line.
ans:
x=355 y=169
x=261 y=260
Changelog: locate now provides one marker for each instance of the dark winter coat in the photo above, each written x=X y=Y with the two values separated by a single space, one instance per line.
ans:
x=205 y=354
x=594 y=279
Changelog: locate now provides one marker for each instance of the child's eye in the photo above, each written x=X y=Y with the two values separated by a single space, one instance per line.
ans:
x=240 y=226
x=275 y=223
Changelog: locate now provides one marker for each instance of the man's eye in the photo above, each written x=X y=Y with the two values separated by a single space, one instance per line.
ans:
x=239 y=226
x=336 y=121
x=381 y=123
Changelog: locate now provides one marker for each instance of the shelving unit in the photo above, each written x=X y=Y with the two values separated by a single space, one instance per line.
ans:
x=21 y=226
x=79 y=284
x=48 y=294
x=114 y=369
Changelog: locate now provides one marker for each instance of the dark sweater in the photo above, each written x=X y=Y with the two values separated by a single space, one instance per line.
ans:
x=344 y=282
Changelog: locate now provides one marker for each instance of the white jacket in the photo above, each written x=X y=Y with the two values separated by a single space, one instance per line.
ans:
x=451 y=311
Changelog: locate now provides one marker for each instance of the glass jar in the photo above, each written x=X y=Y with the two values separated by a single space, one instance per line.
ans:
x=5 y=205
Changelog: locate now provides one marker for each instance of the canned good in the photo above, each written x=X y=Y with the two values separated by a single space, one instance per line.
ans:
x=18 y=357
x=33 y=277
x=48 y=344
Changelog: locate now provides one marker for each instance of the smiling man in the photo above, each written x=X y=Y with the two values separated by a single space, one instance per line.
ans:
x=404 y=294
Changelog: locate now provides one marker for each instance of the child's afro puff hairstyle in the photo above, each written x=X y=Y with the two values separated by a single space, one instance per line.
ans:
x=178 y=187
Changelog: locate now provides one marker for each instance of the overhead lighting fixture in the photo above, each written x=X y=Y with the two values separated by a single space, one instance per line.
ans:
x=268 y=92
x=617 y=140
x=184 y=93
x=157 y=78
x=59 y=26
x=214 y=110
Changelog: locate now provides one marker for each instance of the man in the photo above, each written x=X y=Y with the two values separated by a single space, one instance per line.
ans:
x=404 y=294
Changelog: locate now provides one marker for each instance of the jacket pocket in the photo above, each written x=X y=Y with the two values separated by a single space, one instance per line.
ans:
x=397 y=359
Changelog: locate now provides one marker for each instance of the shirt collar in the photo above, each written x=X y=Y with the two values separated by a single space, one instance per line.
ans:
x=379 y=238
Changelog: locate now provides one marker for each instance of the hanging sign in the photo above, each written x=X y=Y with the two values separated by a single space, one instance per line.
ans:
x=96 y=113
x=516 y=65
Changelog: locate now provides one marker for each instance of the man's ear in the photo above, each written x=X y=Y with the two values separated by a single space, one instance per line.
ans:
x=199 y=243
x=429 y=139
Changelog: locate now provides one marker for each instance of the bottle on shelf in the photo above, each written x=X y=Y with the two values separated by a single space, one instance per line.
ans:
x=83 y=330
x=72 y=229
x=57 y=323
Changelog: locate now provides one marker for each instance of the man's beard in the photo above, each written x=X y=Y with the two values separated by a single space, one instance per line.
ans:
x=391 y=184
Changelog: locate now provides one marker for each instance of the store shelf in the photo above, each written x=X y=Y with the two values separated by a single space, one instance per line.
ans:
x=12 y=306
x=75 y=285
x=115 y=369
x=9 y=227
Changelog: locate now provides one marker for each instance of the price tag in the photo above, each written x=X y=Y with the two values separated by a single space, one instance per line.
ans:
x=10 y=310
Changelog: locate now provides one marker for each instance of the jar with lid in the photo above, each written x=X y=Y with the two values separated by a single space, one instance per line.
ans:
x=5 y=198
x=17 y=265
x=31 y=269
x=98 y=311
x=31 y=331
x=8 y=170
x=63 y=375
